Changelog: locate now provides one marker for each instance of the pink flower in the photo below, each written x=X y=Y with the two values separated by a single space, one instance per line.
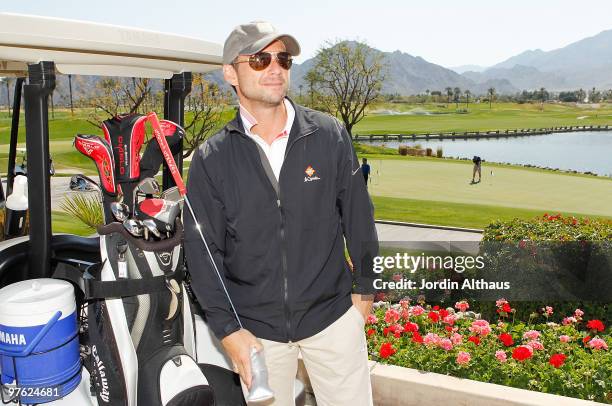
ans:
x=397 y=277
x=431 y=339
x=372 y=319
x=500 y=302
x=481 y=327
x=392 y=316
x=501 y=356
x=564 y=339
x=548 y=311
x=536 y=345
x=445 y=344
x=404 y=303
x=405 y=314
x=531 y=335
x=463 y=358
x=450 y=319
x=568 y=320
x=456 y=338
x=598 y=344
x=417 y=310
x=578 y=313
x=462 y=306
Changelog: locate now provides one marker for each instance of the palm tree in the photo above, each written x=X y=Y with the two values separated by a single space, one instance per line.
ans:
x=467 y=98
x=542 y=96
x=457 y=93
x=491 y=93
x=449 y=94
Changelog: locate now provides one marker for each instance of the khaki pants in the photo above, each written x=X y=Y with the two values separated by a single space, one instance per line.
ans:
x=336 y=360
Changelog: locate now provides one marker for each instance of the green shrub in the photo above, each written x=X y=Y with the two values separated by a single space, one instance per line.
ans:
x=574 y=245
x=85 y=207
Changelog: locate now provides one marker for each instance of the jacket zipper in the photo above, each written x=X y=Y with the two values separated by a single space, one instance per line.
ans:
x=283 y=248
x=282 y=238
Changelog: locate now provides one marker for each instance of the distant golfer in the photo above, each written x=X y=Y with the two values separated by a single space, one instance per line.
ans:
x=365 y=169
x=477 y=168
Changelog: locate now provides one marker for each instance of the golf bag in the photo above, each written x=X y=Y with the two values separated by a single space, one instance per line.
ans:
x=138 y=328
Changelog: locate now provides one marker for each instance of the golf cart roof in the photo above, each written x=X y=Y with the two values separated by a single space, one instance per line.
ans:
x=86 y=48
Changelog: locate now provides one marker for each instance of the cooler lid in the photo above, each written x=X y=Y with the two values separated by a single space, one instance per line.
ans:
x=35 y=301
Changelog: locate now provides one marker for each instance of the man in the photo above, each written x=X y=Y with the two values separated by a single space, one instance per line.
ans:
x=477 y=168
x=365 y=169
x=277 y=192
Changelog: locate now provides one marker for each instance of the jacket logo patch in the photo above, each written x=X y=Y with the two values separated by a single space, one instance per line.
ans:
x=310 y=172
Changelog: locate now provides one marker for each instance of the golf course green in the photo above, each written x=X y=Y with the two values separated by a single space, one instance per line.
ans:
x=422 y=190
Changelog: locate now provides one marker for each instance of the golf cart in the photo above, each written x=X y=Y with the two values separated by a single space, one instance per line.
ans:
x=138 y=335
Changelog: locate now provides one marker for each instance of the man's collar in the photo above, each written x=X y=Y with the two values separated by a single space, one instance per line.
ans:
x=301 y=123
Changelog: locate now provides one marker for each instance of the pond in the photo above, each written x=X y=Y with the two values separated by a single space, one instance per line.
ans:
x=580 y=151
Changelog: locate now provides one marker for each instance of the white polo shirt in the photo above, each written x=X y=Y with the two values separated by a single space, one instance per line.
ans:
x=275 y=152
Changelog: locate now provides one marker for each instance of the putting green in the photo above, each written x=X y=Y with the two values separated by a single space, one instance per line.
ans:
x=449 y=181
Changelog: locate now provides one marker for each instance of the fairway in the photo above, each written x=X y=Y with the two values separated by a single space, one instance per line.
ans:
x=479 y=117
x=449 y=181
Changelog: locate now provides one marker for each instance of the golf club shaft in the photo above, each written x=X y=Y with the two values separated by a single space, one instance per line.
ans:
x=212 y=260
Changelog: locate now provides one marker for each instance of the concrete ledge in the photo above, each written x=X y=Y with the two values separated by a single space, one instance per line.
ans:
x=449 y=228
x=398 y=386
x=395 y=386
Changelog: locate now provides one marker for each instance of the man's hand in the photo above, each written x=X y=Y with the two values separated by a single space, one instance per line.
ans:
x=238 y=347
x=363 y=303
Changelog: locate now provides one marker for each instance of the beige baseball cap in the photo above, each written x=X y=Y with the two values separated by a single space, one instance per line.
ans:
x=248 y=39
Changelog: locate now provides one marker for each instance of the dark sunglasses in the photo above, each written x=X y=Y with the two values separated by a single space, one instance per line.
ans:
x=262 y=60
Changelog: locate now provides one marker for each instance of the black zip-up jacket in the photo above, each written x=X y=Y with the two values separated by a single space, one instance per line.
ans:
x=280 y=245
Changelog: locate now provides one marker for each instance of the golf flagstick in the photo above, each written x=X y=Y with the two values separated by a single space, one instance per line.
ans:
x=260 y=389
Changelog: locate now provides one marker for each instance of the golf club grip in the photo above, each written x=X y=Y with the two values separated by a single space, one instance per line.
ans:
x=166 y=152
x=163 y=245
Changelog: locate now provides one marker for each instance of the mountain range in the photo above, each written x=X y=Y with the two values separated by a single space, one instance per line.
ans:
x=583 y=64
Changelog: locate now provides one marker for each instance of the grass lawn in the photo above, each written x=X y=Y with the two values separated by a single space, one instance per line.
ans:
x=479 y=117
x=65 y=223
x=449 y=214
x=439 y=192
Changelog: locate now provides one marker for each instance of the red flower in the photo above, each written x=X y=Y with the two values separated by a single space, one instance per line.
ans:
x=386 y=331
x=448 y=328
x=411 y=327
x=586 y=339
x=557 y=360
x=443 y=313
x=433 y=316
x=474 y=339
x=397 y=334
x=386 y=350
x=596 y=325
x=522 y=353
x=506 y=308
x=416 y=338
x=371 y=332
x=436 y=307
x=506 y=339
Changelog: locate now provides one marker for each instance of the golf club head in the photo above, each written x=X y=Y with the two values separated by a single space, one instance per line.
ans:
x=163 y=212
x=133 y=227
x=148 y=186
x=82 y=183
x=100 y=152
x=260 y=389
x=172 y=194
x=150 y=225
x=121 y=211
x=125 y=134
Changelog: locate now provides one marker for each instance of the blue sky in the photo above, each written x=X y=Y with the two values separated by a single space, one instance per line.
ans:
x=446 y=32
